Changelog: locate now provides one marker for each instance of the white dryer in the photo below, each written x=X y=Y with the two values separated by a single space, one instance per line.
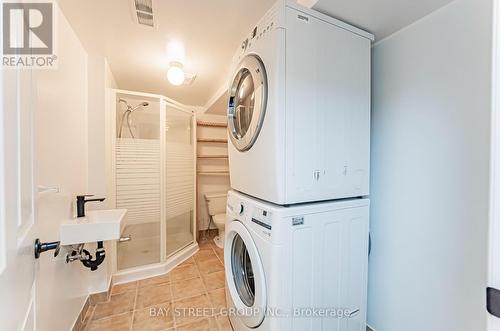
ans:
x=299 y=108
x=296 y=268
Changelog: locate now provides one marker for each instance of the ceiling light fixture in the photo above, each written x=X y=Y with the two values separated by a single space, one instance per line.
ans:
x=175 y=73
x=176 y=56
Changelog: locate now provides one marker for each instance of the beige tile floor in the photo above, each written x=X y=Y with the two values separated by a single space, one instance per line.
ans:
x=153 y=304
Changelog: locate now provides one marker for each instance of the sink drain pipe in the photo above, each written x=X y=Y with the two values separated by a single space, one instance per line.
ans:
x=86 y=258
x=100 y=254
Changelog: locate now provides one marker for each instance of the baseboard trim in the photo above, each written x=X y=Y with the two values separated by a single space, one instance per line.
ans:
x=90 y=302
x=81 y=320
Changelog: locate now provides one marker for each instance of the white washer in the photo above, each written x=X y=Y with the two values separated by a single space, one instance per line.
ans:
x=308 y=258
x=299 y=108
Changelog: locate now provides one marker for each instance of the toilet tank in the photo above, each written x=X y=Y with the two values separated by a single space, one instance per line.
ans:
x=216 y=203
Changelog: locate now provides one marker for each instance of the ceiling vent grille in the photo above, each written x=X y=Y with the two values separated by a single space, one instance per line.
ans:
x=143 y=12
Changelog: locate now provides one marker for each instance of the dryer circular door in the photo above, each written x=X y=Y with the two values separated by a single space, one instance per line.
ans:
x=245 y=275
x=247 y=102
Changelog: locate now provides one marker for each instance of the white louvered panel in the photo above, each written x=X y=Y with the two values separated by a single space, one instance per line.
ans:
x=138 y=179
x=128 y=184
x=141 y=161
x=130 y=167
x=143 y=212
x=179 y=178
x=142 y=219
x=144 y=203
x=147 y=213
x=139 y=176
x=139 y=205
x=132 y=188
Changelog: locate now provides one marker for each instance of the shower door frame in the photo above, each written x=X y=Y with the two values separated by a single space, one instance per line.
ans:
x=110 y=160
x=167 y=102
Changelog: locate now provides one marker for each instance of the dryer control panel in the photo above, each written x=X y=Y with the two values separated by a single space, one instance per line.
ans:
x=259 y=31
x=256 y=34
x=263 y=218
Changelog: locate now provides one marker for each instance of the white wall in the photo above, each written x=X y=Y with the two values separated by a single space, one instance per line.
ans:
x=100 y=77
x=430 y=156
x=61 y=160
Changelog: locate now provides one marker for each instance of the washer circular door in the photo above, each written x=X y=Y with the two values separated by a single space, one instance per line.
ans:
x=247 y=102
x=245 y=275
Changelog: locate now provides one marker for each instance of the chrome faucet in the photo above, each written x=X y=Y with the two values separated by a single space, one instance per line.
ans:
x=80 y=204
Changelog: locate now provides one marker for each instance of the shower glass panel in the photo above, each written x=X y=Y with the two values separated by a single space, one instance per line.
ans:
x=138 y=179
x=180 y=180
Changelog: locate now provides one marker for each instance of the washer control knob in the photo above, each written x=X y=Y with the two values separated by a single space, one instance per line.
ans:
x=242 y=209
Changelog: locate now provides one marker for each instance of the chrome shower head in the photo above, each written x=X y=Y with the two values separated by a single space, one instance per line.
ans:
x=142 y=104
x=126 y=116
x=132 y=108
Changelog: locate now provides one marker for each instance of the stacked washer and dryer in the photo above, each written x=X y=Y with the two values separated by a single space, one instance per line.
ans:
x=296 y=241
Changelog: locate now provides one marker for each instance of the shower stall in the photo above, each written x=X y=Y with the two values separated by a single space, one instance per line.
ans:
x=152 y=175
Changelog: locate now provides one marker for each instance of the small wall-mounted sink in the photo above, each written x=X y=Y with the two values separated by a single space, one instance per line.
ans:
x=97 y=225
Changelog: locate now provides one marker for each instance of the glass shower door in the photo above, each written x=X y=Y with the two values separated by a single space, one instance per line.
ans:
x=180 y=179
x=138 y=179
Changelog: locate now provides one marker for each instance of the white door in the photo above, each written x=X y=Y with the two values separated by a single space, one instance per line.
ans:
x=493 y=284
x=17 y=202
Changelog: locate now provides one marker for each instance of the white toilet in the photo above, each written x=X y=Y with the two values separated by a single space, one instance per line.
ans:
x=216 y=203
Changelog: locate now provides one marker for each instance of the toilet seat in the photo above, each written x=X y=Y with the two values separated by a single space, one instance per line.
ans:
x=219 y=220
